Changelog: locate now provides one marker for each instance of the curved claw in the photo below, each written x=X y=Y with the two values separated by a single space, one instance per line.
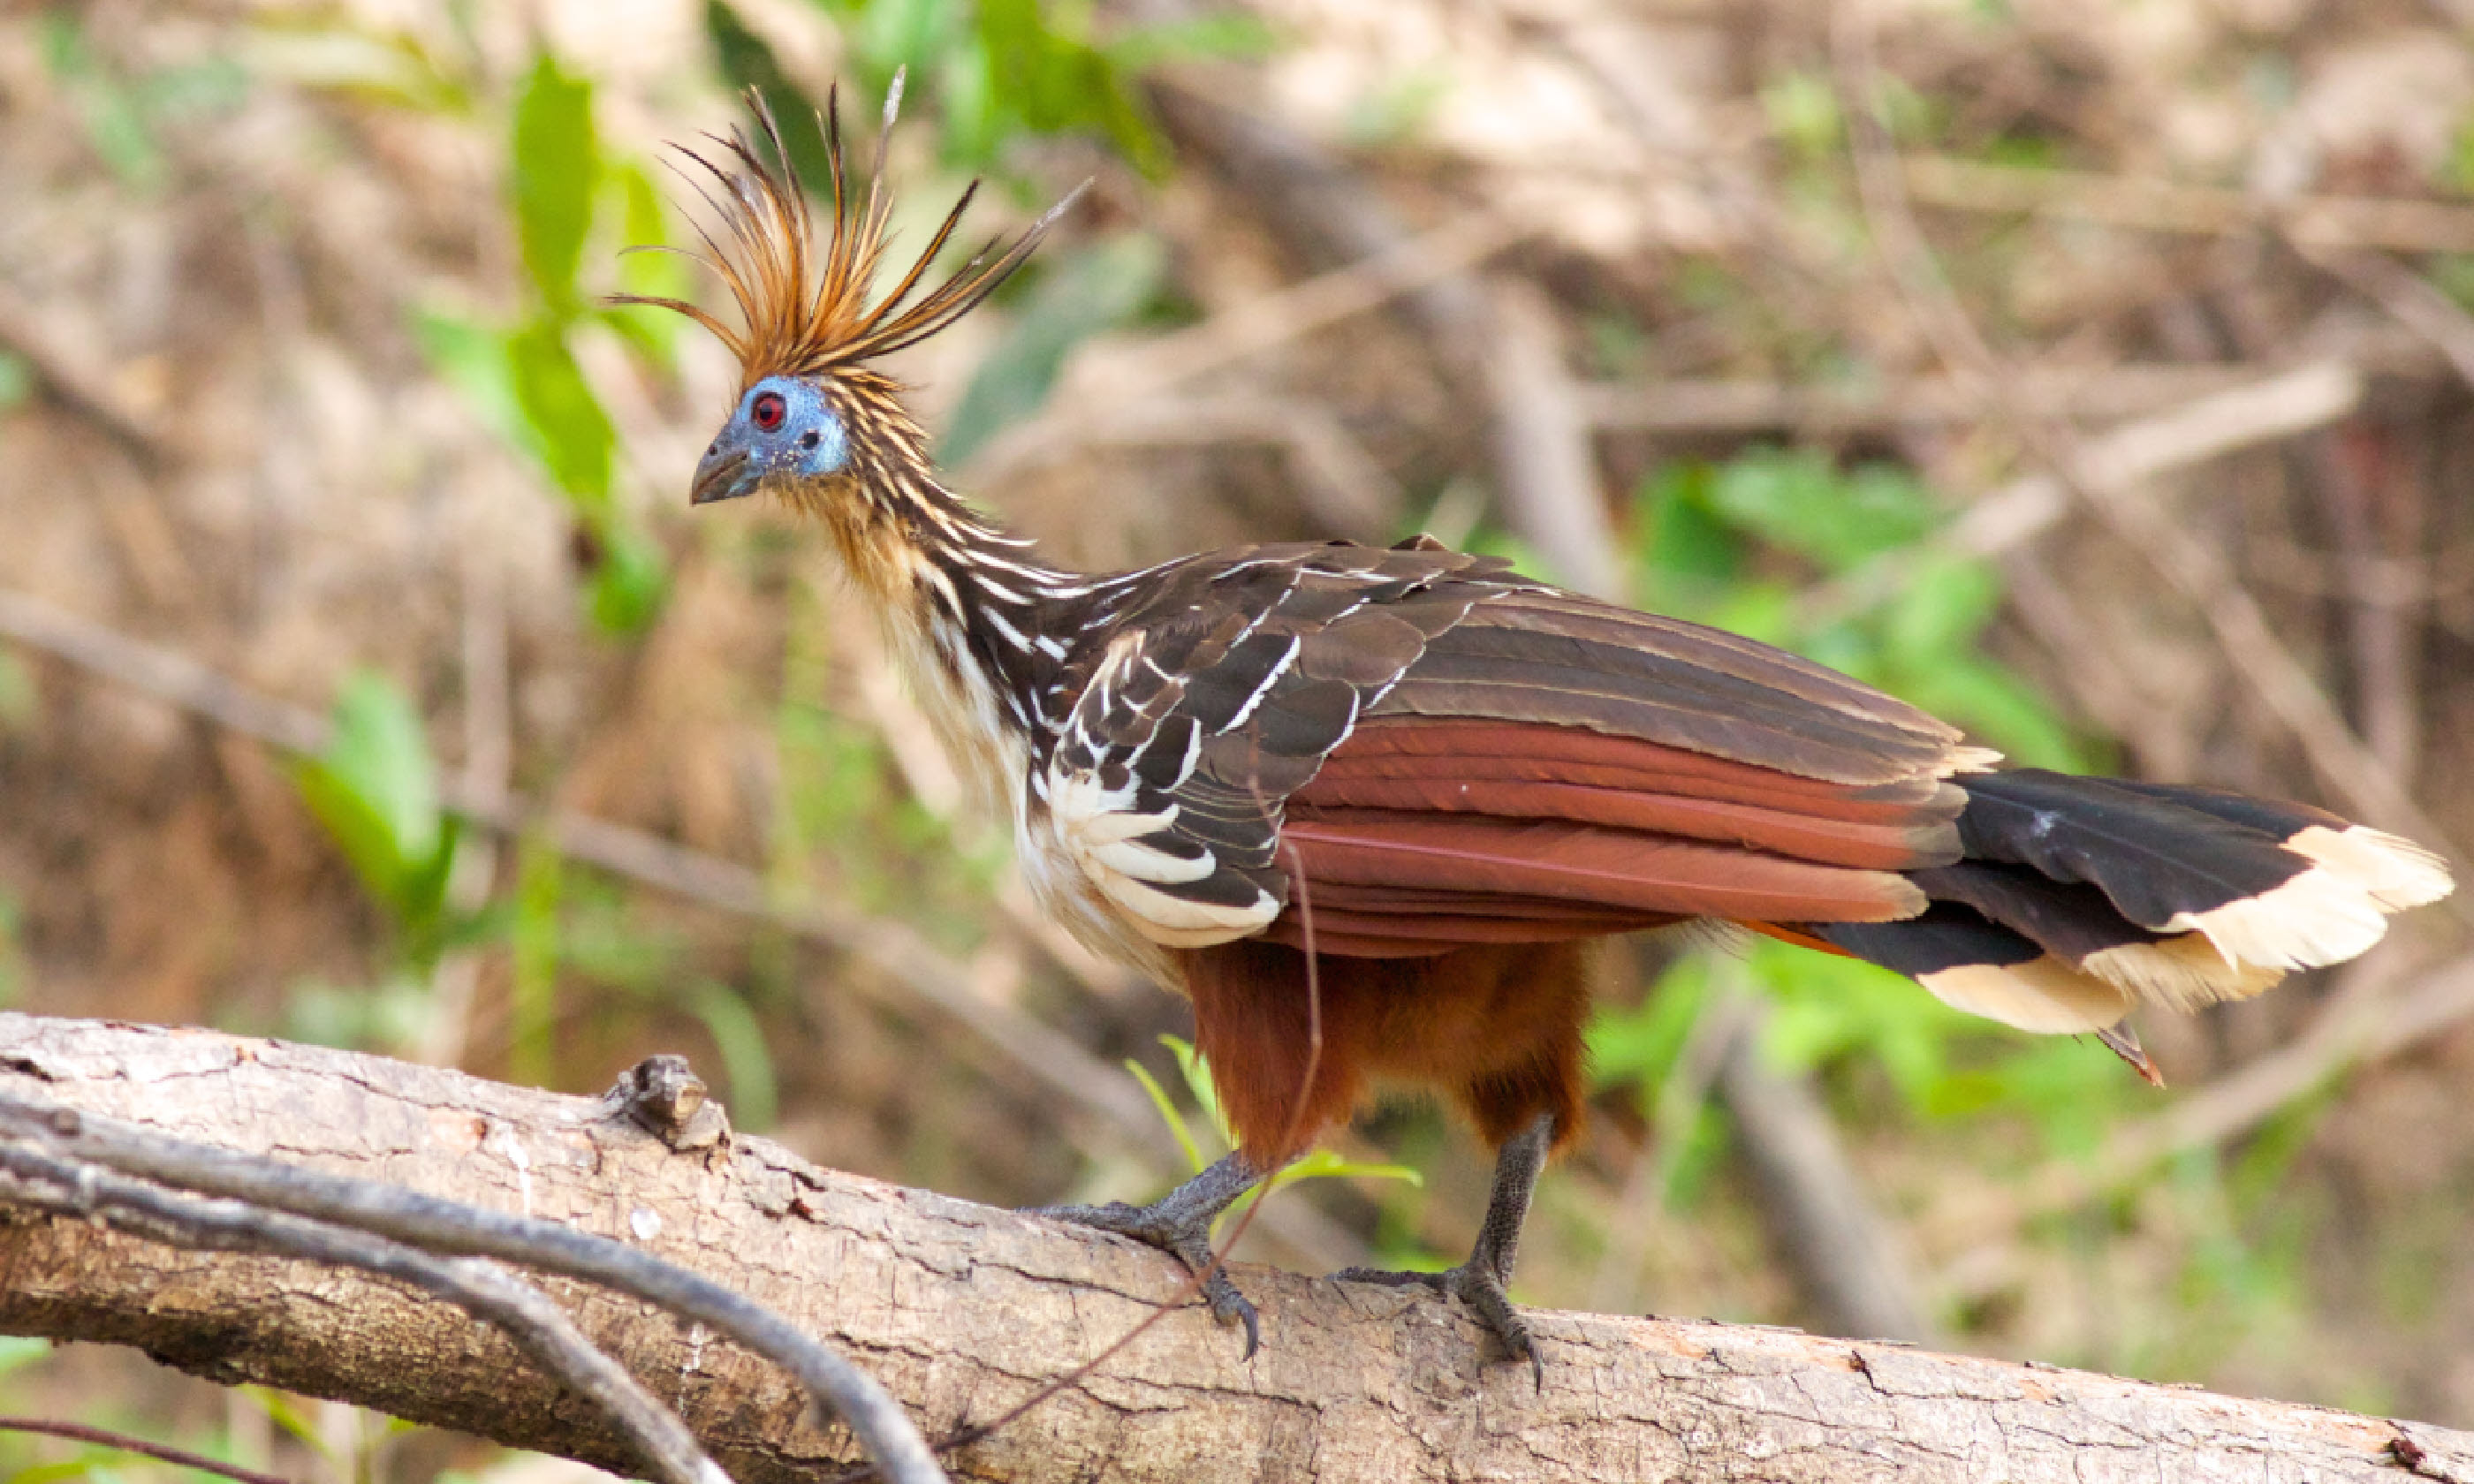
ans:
x=1229 y=1306
x=1189 y=1241
x=1478 y=1287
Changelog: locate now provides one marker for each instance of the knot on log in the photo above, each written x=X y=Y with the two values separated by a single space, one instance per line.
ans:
x=663 y=1095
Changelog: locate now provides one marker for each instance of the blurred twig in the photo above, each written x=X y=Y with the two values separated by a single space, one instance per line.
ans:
x=105 y=1437
x=1135 y=377
x=2356 y=488
x=2204 y=428
x=2095 y=394
x=488 y=762
x=1553 y=501
x=2408 y=297
x=164 y=674
x=1340 y=486
x=1502 y=355
x=2266 y=411
x=78 y=384
x=2334 y=222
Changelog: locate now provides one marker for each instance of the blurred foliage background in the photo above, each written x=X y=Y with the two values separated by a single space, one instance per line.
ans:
x=306 y=375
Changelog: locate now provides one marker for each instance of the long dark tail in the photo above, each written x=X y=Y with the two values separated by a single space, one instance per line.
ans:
x=2078 y=899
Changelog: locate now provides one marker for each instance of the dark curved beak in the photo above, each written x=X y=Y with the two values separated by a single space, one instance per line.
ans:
x=722 y=474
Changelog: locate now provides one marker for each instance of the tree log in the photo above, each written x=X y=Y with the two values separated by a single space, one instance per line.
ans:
x=960 y=1311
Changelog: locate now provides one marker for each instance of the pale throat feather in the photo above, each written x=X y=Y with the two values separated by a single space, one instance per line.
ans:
x=936 y=573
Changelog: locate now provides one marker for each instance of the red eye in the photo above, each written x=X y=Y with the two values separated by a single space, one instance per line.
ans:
x=768 y=411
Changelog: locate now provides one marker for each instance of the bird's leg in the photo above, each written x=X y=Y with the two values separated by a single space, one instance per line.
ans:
x=1479 y=1282
x=1179 y=1223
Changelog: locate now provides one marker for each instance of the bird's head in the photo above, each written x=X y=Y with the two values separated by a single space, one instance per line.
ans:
x=813 y=421
x=783 y=430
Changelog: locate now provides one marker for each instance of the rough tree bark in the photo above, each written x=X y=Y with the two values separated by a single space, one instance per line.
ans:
x=961 y=1309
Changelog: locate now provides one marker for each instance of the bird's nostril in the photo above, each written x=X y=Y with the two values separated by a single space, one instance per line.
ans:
x=711 y=449
x=808 y=439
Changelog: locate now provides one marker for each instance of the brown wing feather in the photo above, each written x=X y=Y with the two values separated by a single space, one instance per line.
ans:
x=1617 y=869
x=1373 y=921
x=1833 y=842
x=1475 y=750
x=1421 y=834
x=1556 y=659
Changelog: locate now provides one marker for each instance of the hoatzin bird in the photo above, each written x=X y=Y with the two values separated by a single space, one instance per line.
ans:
x=1444 y=779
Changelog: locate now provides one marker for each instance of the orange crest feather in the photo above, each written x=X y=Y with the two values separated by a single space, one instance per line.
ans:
x=799 y=328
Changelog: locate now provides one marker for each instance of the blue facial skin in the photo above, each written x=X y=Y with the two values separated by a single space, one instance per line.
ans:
x=805 y=440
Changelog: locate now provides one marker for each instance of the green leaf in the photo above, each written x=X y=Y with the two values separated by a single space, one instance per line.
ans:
x=1803 y=112
x=1639 y=1044
x=12 y=978
x=1197 y=1073
x=1826 y=1007
x=2456 y=173
x=1397 y=112
x=1216 y=36
x=1801 y=501
x=644 y=271
x=63 y=1472
x=629 y=581
x=747 y=1054
x=20 y=1351
x=16 y=380
x=747 y=62
x=1331 y=1165
x=19 y=700
x=389 y=1016
x=966 y=87
x=575 y=439
x=532 y=994
x=377 y=792
x=1168 y=1113
x=392 y=69
x=115 y=123
x=2453 y=274
x=2071 y=1089
x=1079 y=295
x=1685 y=554
x=555 y=169
x=472 y=359
x=601 y=937
x=1937 y=614
x=285 y=1411
x=1055 y=82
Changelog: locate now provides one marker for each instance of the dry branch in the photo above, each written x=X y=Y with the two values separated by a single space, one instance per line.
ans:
x=959 y=1309
x=2089 y=394
x=2337 y=223
x=70 y=374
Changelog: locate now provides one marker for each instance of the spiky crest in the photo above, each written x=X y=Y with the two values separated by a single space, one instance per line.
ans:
x=802 y=318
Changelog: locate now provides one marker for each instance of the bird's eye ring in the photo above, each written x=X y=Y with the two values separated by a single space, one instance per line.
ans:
x=767 y=411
